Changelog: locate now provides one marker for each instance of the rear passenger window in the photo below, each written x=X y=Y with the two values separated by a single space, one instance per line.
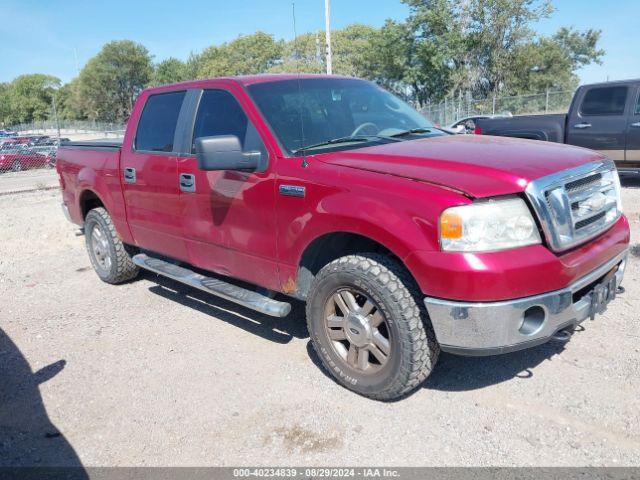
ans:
x=637 y=112
x=220 y=113
x=604 y=101
x=157 y=125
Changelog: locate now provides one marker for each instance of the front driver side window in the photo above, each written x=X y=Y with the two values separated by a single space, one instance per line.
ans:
x=604 y=101
x=219 y=113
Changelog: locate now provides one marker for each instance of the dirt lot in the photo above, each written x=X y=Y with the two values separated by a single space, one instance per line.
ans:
x=151 y=373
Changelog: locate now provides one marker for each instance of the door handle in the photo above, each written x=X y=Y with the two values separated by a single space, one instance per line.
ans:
x=582 y=125
x=130 y=175
x=637 y=124
x=187 y=182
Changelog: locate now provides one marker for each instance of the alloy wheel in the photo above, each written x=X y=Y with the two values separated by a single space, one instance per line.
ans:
x=100 y=248
x=358 y=330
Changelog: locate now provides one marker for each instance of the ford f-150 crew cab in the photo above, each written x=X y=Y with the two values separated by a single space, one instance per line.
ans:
x=402 y=240
x=603 y=116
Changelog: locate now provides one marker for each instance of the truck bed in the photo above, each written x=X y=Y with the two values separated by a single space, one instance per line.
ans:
x=91 y=168
x=99 y=144
x=550 y=128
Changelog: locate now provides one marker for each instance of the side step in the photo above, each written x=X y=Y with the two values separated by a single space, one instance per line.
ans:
x=225 y=290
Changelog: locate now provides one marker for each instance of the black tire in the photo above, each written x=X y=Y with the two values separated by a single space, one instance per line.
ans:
x=119 y=268
x=16 y=166
x=413 y=346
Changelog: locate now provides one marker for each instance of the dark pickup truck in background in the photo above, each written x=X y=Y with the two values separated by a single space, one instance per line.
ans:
x=603 y=117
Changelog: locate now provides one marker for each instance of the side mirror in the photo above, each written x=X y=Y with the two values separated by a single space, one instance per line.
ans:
x=224 y=152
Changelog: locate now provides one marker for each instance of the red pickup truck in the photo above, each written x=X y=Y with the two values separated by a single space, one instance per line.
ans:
x=402 y=239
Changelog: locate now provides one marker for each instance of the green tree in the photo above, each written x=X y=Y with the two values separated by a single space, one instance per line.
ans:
x=4 y=104
x=168 y=71
x=110 y=82
x=68 y=101
x=470 y=44
x=247 y=54
x=392 y=59
x=550 y=63
x=30 y=97
x=191 y=66
x=304 y=54
x=349 y=45
x=482 y=48
x=581 y=47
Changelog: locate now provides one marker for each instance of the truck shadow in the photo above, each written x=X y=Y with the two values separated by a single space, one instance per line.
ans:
x=630 y=181
x=454 y=373
x=278 y=330
x=27 y=436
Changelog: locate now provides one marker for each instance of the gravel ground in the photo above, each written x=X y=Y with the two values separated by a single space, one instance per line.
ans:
x=41 y=179
x=152 y=373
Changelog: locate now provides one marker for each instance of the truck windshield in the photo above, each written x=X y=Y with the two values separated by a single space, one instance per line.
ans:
x=320 y=114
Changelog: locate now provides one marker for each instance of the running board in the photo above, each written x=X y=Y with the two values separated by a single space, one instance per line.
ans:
x=232 y=293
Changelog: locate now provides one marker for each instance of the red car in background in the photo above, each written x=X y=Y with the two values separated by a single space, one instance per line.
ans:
x=23 y=157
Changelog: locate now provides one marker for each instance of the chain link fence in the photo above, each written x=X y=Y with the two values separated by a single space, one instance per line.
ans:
x=35 y=145
x=454 y=109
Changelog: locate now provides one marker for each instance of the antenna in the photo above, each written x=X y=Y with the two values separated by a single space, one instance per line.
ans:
x=297 y=53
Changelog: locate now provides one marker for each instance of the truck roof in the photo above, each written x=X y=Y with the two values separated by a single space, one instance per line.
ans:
x=612 y=82
x=246 y=80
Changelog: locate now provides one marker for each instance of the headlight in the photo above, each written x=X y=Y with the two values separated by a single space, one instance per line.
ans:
x=488 y=226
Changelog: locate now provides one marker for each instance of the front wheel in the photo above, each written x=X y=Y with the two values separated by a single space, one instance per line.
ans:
x=369 y=327
x=109 y=256
x=16 y=166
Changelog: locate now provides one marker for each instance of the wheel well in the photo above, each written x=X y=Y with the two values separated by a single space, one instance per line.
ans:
x=327 y=248
x=89 y=201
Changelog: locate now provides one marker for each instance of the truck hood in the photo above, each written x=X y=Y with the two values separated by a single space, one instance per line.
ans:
x=477 y=165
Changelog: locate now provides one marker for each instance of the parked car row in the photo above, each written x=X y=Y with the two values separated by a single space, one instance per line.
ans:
x=31 y=140
x=27 y=152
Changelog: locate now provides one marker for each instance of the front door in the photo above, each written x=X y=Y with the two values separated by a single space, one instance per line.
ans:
x=149 y=172
x=599 y=121
x=228 y=217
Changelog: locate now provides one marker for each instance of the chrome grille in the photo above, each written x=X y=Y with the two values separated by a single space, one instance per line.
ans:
x=576 y=205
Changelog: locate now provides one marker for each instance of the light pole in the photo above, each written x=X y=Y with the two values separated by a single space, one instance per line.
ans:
x=54 y=89
x=327 y=24
x=55 y=112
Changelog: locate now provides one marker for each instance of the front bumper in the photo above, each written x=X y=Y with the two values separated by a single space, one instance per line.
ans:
x=488 y=328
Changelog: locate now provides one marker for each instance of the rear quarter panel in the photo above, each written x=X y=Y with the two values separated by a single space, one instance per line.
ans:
x=83 y=171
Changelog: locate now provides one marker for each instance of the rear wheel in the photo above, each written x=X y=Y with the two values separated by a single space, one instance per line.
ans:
x=369 y=327
x=16 y=166
x=109 y=256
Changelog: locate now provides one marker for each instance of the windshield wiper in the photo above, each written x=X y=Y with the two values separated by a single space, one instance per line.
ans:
x=348 y=139
x=411 y=131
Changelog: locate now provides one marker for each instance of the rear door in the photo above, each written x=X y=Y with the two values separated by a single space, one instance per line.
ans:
x=228 y=217
x=598 y=120
x=149 y=171
x=633 y=133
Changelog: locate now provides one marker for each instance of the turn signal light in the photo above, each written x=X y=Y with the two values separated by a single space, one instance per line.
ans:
x=450 y=225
